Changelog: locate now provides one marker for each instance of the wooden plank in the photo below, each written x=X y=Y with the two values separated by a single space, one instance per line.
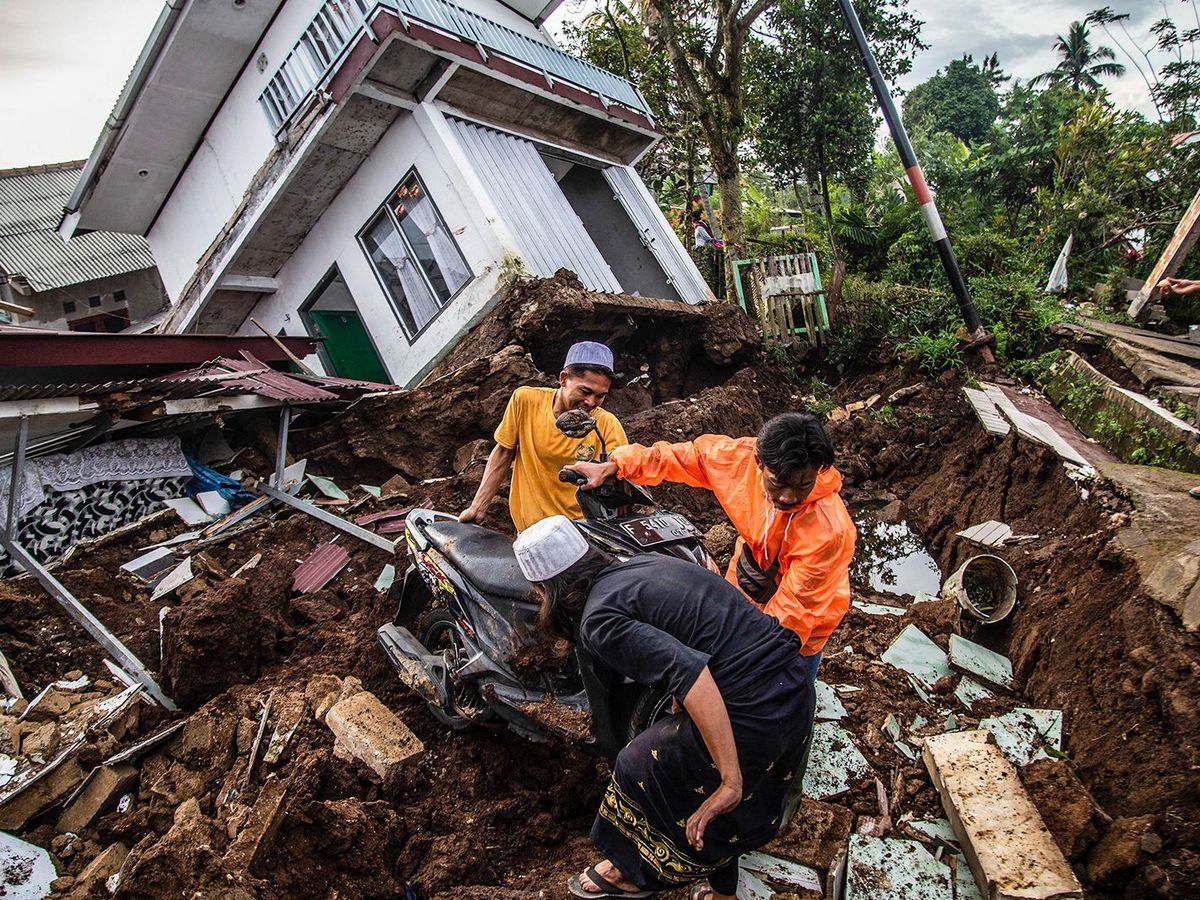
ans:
x=1008 y=847
x=1168 y=264
x=989 y=417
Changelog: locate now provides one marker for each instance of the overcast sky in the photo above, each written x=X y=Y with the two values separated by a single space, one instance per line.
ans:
x=63 y=62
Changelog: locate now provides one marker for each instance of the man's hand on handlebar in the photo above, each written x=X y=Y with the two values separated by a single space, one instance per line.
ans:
x=595 y=473
x=471 y=515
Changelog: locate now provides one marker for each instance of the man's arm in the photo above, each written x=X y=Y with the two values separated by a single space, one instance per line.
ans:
x=706 y=707
x=498 y=466
x=687 y=463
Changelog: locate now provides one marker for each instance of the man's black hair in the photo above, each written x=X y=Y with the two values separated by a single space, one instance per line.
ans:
x=793 y=443
x=577 y=369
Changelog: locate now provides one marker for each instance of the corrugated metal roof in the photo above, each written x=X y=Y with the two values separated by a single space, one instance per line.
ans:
x=319 y=568
x=31 y=204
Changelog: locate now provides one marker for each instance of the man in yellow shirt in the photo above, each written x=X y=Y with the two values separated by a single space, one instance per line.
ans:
x=528 y=441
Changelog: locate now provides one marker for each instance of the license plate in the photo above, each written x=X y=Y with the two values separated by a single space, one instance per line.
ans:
x=652 y=530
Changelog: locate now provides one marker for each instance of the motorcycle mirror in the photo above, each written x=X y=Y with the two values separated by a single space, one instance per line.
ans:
x=575 y=423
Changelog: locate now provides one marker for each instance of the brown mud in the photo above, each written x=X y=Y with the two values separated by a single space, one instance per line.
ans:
x=484 y=814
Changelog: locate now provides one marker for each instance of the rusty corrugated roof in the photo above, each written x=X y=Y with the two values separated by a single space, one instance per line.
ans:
x=319 y=568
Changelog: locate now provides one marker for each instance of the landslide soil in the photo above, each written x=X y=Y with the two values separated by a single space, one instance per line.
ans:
x=487 y=815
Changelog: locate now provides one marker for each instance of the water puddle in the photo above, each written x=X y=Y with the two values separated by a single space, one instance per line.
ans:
x=892 y=558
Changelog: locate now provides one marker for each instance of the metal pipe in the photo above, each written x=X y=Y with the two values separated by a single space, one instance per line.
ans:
x=916 y=177
x=329 y=518
x=285 y=421
x=14 y=485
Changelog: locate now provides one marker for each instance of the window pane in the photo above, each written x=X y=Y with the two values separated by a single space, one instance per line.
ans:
x=431 y=241
x=409 y=292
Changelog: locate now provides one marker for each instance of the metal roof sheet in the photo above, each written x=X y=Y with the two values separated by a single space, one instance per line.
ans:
x=31 y=204
x=319 y=568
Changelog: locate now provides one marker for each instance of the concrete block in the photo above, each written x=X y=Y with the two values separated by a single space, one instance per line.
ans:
x=1008 y=847
x=100 y=794
x=255 y=839
x=373 y=734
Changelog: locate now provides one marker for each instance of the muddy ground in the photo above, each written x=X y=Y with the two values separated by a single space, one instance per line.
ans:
x=487 y=815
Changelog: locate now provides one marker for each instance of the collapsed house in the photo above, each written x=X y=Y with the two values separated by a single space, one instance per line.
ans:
x=374 y=172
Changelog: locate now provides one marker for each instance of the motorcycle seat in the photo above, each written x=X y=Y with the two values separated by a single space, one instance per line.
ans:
x=483 y=556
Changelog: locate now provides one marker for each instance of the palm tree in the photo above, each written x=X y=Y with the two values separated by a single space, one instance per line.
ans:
x=1080 y=66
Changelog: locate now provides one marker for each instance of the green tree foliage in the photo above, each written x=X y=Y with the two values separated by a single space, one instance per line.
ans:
x=959 y=100
x=1080 y=65
x=808 y=86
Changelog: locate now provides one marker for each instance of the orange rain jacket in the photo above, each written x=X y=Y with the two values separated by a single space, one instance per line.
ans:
x=815 y=542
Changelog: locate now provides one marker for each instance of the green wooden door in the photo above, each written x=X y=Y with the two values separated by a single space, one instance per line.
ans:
x=348 y=345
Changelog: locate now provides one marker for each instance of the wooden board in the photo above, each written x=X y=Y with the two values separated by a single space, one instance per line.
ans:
x=1168 y=264
x=1008 y=847
x=1159 y=343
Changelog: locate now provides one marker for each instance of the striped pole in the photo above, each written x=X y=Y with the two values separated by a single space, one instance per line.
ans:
x=916 y=177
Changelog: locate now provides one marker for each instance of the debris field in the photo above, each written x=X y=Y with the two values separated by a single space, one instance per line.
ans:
x=301 y=767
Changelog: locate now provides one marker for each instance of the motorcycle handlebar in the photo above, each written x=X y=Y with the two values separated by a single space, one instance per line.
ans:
x=566 y=475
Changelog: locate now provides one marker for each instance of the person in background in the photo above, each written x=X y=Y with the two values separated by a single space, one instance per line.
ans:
x=780 y=491
x=530 y=445
x=700 y=787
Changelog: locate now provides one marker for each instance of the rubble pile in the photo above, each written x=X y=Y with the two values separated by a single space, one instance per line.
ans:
x=300 y=766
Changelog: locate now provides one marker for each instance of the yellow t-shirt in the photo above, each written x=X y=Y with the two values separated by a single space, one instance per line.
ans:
x=528 y=427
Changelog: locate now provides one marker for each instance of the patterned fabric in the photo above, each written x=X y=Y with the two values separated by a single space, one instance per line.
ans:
x=64 y=518
x=130 y=460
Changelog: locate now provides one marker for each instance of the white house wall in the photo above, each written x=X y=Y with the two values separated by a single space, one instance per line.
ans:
x=415 y=140
x=238 y=142
x=548 y=232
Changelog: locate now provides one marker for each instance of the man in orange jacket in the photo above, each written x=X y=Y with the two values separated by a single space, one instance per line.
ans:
x=780 y=491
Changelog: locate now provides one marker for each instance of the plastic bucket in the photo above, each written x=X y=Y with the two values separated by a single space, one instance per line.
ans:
x=985 y=586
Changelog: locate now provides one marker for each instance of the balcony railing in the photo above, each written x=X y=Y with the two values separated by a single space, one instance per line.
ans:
x=336 y=24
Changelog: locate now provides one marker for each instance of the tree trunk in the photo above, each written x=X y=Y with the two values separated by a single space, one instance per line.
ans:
x=826 y=205
x=729 y=189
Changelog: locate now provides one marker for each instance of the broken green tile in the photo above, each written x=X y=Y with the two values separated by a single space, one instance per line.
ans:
x=328 y=487
x=781 y=871
x=829 y=707
x=905 y=749
x=969 y=692
x=386 y=577
x=751 y=887
x=935 y=829
x=915 y=653
x=891 y=727
x=891 y=869
x=918 y=723
x=372 y=489
x=1027 y=735
x=921 y=692
x=951 y=722
x=879 y=609
x=833 y=762
x=978 y=660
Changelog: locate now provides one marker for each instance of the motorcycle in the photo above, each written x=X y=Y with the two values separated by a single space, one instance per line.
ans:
x=475 y=655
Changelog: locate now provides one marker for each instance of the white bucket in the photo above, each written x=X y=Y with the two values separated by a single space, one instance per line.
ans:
x=985 y=586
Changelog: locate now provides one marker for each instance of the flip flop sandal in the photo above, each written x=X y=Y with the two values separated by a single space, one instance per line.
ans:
x=607 y=888
x=1194 y=492
x=701 y=892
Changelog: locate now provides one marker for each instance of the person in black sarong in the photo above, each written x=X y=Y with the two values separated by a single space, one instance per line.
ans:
x=698 y=788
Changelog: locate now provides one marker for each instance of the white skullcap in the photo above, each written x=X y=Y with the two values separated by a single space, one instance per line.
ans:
x=548 y=548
